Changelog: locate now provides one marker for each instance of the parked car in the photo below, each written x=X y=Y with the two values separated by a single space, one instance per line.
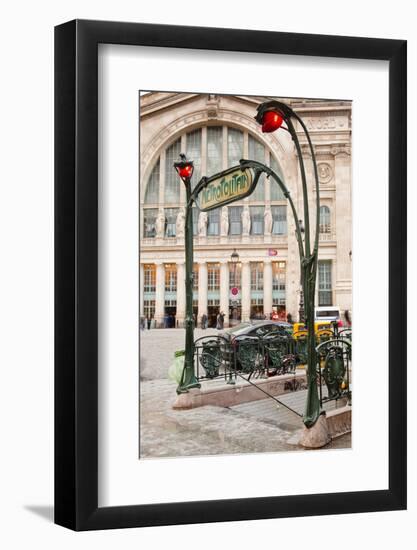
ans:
x=259 y=329
x=260 y=346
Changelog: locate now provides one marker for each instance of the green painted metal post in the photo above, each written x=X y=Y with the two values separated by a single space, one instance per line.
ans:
x=271 y=114
x=188 y=379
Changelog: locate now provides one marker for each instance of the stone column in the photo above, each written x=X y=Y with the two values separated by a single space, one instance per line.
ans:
x=224 y=290
x=180 y=293
x=267 y=287
x=202 y=290
x=160 y=294
x=141 y=279
x=342 y=284
x=245 y=290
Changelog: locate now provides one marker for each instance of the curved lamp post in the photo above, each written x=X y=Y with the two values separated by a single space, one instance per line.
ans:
x=271 y=115
x=185 y=170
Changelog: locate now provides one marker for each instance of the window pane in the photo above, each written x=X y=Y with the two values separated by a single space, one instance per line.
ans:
x=279 y=220
x=170 y=221
x=170 y=278
x=172 y=181
x=149 y=222
x=193 y=148
x=234 y=146
x=213 y=277
x=213 y=223
x=325 y=282
x=257 y=152
x=257 y=220
x=257 y=276
x=149 y=278
x=278 y=275
x=235 y=274
x=235 y=220
x=214 y=149
x=276 y=193
x=152 y=187
x=149 y=308
x=324 y=219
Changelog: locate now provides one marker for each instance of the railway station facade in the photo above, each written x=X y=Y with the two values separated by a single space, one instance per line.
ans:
x=246 y=261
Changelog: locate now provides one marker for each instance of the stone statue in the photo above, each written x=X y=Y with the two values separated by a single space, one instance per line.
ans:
x=202 y=224
x=180 y=223
x=160 y=224
x=246 y=221
x=268 y=221
x=224 y=226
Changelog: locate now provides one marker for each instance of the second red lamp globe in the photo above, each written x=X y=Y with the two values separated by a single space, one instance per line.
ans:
x=271 y=121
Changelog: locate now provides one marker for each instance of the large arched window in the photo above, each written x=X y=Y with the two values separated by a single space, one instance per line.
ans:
x=152 y=189
x=324 y=222
x=213 y=149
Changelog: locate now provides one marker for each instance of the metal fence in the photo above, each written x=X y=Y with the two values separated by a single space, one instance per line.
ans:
x=251 y=357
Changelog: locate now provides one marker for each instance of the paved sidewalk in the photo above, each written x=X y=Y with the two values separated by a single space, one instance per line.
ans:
x=254 y=427
x=259 y=426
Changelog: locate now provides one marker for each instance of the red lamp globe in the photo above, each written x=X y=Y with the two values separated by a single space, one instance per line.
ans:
x=271 y=121
x=185 y=171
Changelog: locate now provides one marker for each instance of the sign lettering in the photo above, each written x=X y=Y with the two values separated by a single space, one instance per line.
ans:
x=225 y=188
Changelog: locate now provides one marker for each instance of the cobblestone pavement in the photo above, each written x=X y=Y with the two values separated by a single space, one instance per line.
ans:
x=260 y=426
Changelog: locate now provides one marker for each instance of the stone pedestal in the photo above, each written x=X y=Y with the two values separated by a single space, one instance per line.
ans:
x=185 y=401
x=317 y=436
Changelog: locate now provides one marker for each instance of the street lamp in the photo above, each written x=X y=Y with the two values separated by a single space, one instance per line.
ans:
x=235 y=260
x=234 y=257
x=188 y=380
x=271 y=115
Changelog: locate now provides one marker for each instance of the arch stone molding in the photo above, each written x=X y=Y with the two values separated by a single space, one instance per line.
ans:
x=195 y=120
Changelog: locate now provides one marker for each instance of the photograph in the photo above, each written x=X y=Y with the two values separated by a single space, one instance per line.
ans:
x=245 y=281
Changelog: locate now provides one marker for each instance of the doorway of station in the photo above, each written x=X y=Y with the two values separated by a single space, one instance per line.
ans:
x=257 y=310
x=212 y=312
x=170 y=316
x=235 y=313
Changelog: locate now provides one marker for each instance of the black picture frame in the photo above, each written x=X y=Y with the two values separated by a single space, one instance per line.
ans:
x=76 y=272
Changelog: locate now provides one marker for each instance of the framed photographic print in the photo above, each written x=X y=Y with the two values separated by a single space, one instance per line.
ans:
x=230 y=275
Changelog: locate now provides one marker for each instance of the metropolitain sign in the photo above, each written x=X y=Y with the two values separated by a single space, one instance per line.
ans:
x=228 y=186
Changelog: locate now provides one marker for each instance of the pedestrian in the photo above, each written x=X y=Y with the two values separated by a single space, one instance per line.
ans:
x=221 y=320
x=289 y=319
x=204 y=321
x=149 y=320
x=218 y=321
x=347 y=318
